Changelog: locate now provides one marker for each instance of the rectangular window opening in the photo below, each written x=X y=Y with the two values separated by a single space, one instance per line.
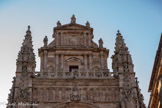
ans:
x=73 y=68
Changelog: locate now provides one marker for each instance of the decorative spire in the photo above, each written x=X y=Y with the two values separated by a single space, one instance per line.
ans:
x=28 y=38
x=28 y=27
x=120 y=44
x=121 y=55
x=58 y=23
x=73 y=19
x=118 y=33
x=87 y=24
x=26 y=55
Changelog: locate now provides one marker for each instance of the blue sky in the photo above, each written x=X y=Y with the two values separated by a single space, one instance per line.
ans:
x=138 y=20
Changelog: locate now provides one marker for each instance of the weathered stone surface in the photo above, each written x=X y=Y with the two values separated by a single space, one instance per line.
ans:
x=74 y=72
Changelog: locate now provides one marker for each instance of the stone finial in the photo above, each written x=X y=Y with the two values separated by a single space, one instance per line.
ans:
x=73 y=19
x=100 y=43
x=28 y=32
x=28 y=27
x=118 y=33
x=58 y=23
x=28 y=38
x=87 y=24
x=45 y=41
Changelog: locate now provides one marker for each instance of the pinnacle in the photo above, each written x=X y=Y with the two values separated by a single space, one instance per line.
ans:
x=121 y=54
x=120 y=46
x=28 y=32
x=28 y=27
x=28 y=38
x=118 y=33
x=27 y=48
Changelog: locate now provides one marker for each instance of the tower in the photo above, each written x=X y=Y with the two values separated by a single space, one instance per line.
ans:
x=122 y=66
x=21 y=91
x=74 y=72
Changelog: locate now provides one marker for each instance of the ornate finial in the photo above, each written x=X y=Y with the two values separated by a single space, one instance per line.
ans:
x=87 y=24
x=45 y=41
x=118 y=34
x=73 y=19
x=28 y=32
x=28 y=27
x=58 y=23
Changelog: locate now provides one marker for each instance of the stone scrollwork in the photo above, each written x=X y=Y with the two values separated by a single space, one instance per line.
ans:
x=75 y=93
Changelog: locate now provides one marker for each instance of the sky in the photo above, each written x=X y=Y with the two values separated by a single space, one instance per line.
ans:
x=139 y=21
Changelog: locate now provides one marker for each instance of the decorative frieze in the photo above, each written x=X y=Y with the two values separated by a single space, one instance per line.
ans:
x=66 y=94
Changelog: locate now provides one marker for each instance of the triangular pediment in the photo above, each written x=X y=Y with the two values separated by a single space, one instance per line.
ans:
x=73 y=27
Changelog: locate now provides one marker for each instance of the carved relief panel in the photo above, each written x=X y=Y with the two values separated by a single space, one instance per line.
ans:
x=73 y=40
x=76 y=94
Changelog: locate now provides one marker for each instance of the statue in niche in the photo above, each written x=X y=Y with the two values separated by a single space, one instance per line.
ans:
x=91 y=95
x=104 y=95
x=45 y=41
x=57 y=95
x=50 y=94
x=24 y=70
x=54 y=95
x=100 y=43
x=23 y=94
x=127 y=97
x=63 y=95
x=67 y=98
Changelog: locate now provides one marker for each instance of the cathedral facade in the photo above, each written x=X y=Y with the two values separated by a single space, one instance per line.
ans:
x=74 y=72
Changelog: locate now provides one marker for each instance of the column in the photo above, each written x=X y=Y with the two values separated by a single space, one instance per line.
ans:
x=89 y=40
x=57 y=39
x=85 y=63
x=90 y=61
x=62 y=61
x=56 y=63
x=84 y=39
x=102 y=61
x=41 y=62
x=45 y=61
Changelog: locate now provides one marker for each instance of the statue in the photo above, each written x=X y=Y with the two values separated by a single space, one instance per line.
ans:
x=100 y=43
x=58 y=24
x=73 y=19
x=87 y=24
x=45 y=41
x=24 y=70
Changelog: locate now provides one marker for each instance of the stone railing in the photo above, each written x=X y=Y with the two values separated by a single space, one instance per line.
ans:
x=76 y=74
